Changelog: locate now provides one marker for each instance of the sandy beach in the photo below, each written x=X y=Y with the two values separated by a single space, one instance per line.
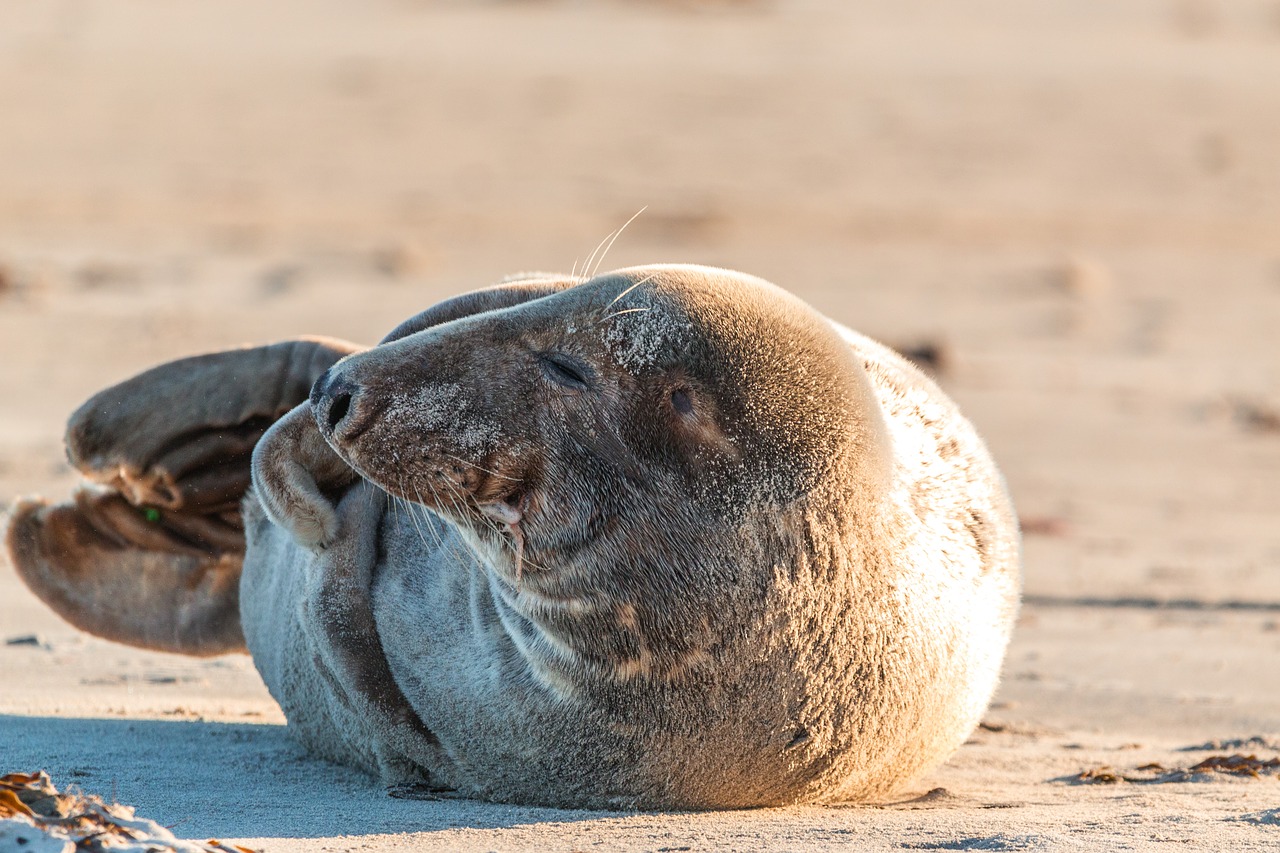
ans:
x=1074 y=206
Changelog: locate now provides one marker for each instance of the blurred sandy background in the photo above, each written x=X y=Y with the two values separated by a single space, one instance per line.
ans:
x=1075 y=203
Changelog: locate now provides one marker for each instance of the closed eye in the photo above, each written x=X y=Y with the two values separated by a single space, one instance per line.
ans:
x=563 y=370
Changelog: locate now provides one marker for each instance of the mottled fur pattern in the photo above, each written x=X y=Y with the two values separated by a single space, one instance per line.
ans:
x=665 y=538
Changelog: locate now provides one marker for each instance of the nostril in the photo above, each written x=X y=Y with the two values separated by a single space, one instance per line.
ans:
x=338 y=409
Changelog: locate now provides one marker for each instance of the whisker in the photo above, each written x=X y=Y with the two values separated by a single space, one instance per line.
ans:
x=429 y=518
x=620 y=313
x=417 y=524
x=482 y=468
x=647 y=278
x=455 y=544
x=413 y=519
x=503 y=533
x=608 y=237
x=616 y=235
x=440 y=519
x=431 y=523
x=395 y=509
x=457 y=500
x=525 y=561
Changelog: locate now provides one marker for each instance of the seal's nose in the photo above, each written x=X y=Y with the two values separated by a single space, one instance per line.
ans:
x=331 y=398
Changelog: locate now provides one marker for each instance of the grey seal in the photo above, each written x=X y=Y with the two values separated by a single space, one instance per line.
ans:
x=664 y=538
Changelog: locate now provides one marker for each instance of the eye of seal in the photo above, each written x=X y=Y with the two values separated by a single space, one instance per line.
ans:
x=563 y=370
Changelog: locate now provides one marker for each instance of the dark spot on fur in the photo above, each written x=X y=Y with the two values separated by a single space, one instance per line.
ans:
x=976 y=523
x=801 y=737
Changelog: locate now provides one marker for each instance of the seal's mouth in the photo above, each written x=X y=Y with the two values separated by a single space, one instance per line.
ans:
x=510 y=512
x=492 y=506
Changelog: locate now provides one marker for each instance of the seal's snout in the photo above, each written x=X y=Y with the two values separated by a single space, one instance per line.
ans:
x=331 y=401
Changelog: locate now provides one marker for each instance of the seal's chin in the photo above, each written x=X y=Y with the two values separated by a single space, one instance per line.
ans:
x=492 y=522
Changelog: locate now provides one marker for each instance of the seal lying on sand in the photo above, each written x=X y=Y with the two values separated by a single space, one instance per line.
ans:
x=666 y=538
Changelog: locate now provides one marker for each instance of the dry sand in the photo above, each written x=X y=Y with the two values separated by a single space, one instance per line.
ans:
x=1077 y=201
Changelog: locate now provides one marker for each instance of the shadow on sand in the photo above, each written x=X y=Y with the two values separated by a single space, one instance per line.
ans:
x=230 y=780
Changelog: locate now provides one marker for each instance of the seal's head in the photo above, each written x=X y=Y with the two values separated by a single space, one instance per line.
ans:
x=601 y=445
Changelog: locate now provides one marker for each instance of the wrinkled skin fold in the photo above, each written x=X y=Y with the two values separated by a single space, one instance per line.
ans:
x=664 y=538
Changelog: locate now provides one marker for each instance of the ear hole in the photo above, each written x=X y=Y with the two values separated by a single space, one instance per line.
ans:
x=694 y=429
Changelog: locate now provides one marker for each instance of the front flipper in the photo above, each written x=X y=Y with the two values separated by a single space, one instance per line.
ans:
x=297 y=476
x=337 y=617
x=152 y=556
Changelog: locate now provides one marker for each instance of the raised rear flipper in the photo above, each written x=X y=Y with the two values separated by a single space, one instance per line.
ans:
x=179 y=436
x=152 y=555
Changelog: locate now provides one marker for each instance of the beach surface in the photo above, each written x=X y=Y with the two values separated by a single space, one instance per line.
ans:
x=1072 y=209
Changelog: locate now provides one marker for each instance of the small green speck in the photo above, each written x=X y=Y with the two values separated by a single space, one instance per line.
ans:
x=151 y=514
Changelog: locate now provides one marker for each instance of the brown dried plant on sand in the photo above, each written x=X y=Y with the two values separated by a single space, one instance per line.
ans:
x=35 y=816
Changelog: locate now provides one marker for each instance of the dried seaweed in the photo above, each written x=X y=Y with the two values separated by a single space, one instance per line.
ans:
x=32 y=808
x=1249 y=766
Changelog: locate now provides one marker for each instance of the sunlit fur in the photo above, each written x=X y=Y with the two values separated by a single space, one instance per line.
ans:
x=795 y=585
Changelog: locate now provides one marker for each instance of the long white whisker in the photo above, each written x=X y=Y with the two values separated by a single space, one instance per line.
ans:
x=620 y=313
x=417 y=523
x=435 y=496
x=586 y=266
x=616 y=235
x=413 y=519
x=481 y=468
x=395 y=509
x=501 y=532
x=647 y=278
x=419 y=509
x=457 y=500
